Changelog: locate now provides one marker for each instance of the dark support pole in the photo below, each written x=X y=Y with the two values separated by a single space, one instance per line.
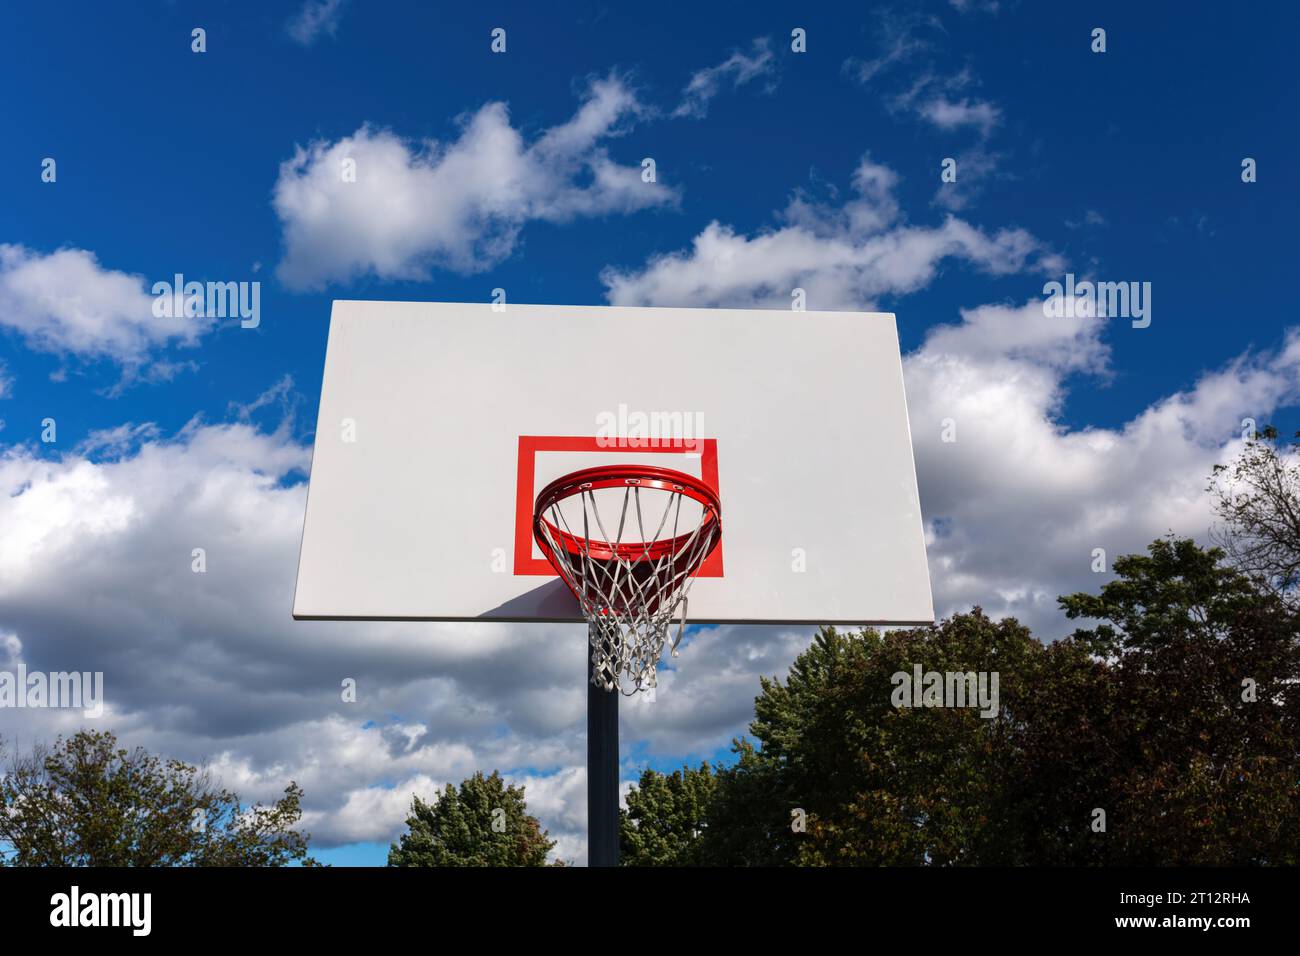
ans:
x=602 y=772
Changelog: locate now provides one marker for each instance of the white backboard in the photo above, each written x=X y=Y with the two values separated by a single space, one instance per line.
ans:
x=439 y=423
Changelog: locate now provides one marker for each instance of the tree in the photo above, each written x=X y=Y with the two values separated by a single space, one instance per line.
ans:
x=1064 y=736
x=483 y=823
x=1258 y=496
x=876 y=784
x=890 y=785
x=1200 y=744
x=745 y=822
x=749 y=822
x=665 y=817
x=1176 y=713
x=85 y=802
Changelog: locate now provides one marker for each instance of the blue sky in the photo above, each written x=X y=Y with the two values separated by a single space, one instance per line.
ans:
x=161 y=175
x=1124 y=165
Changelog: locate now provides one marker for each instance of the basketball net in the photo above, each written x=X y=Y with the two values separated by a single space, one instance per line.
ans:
x=630 y=585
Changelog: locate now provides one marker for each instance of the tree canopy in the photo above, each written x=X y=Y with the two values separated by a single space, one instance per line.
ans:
x=484 y=822
x=87 y=802
x=1175 y=714
x=665 y=816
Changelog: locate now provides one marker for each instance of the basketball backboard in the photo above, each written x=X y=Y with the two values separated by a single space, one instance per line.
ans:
x=440 y=422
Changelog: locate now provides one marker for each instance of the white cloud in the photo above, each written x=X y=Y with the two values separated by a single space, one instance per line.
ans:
x=845 y=257
x=943 y=100
x=707 y=694
x=458 y=205
x=1016 y=505
x=66 y=303
x=932 y=94
x=6 y=381
x=314 y=19
x=738 y=69
x=948 y=114
x=559 y=800
x=212 y=665
x=373 y=814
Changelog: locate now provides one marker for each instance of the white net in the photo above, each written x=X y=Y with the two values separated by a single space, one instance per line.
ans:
x=631 y=585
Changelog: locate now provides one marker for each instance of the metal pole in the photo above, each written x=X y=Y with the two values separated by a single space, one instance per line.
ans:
x=602 y=771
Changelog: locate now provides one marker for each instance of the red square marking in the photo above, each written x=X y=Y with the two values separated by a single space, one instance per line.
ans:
x=530 y=445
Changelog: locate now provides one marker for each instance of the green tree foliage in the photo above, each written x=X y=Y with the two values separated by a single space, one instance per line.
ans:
x=1141 y=715
x=483 y=823
x=664 y=818
x=916 y=785
x=1201 y=743
x=878 y=784
x=747 y=821
x=85 y=802
x=1057 y=725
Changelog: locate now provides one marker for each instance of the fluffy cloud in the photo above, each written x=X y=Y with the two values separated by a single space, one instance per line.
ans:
x=458 y=205
x=948 y=114
x=934 y=95
x=844 y=257
x=211 y=665
x=737 y=69
x=314 y=19
x=944 y=101
x=66 y=303
x=1016 y=505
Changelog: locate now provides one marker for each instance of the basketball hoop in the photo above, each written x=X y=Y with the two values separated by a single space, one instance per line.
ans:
x=629 y=590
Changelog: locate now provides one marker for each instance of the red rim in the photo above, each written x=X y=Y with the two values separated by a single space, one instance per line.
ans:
x=621 y=476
